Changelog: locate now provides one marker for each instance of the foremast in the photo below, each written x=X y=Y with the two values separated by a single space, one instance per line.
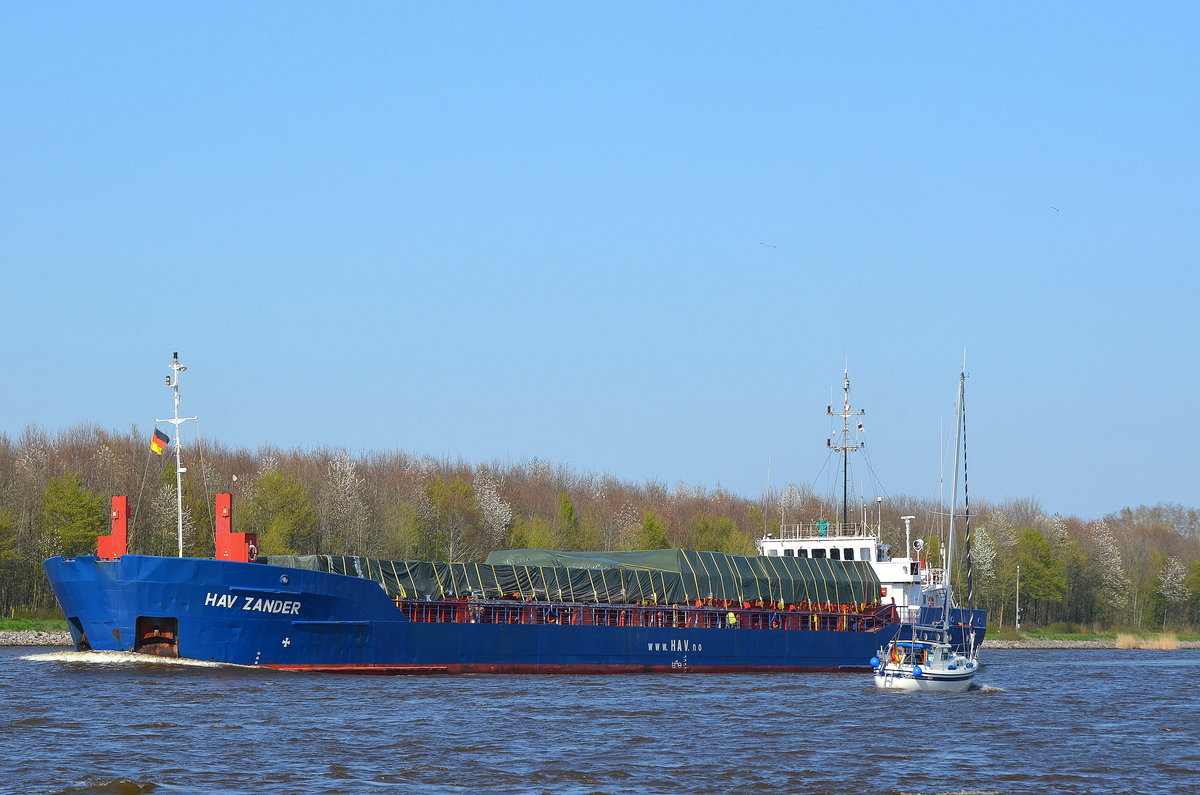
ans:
x=176 y=420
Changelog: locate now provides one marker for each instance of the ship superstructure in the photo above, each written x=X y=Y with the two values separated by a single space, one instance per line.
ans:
x=908 y=581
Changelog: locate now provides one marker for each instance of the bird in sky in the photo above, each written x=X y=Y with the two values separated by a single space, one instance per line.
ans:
x=768 y=245
x=1055 y=209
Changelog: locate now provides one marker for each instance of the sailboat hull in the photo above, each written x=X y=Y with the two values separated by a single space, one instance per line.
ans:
x=901 y=677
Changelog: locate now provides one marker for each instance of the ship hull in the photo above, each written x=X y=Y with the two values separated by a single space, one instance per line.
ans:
x=296 y=619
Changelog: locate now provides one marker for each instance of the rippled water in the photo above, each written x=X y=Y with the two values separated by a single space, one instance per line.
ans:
x=1044 y=721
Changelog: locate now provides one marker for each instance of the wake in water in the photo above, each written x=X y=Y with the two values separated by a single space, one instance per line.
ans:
x=978 y=688
x=116 y=786
x=123 y=658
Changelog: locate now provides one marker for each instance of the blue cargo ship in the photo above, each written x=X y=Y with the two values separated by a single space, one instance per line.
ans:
x=282 y=617
x=236 y=609
x=819 y=598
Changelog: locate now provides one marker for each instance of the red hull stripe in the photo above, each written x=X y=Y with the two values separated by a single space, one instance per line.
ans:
x=510 y=668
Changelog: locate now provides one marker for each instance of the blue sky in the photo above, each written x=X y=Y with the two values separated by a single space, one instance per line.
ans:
x=498 y=231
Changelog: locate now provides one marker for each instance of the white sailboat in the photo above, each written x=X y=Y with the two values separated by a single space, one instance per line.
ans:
x=921 y=657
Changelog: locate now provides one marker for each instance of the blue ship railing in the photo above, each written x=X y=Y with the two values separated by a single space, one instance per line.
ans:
x=871 y=617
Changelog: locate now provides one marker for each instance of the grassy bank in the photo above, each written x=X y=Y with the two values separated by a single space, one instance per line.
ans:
x=1050 y=635
x=33 y=625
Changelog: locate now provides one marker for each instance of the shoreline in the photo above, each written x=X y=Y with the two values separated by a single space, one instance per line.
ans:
x=1045 y=643
x=35 y=637
x=39 y=638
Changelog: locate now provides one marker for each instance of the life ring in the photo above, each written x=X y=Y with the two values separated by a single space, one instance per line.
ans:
x=931 y=601
x=252 y=553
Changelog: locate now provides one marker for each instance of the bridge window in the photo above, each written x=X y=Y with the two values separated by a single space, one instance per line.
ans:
x=790 y=553
x=802 y=553
x=818 y=553
x=835 y=554
x=773 y=553
x=848 y=554
x=864 y=553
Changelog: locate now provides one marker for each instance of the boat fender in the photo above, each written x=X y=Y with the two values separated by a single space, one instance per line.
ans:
x=916 y=671
x=874 y=662
x=953 y=667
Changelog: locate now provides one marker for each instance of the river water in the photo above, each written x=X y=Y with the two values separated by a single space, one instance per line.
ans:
x=1086 y=721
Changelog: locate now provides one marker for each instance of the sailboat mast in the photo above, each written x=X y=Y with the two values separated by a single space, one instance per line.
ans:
x=176 y=420
x=962 y=399
x=958 y=405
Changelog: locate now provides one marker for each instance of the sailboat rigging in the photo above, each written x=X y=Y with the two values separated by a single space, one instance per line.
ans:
x=926 y=660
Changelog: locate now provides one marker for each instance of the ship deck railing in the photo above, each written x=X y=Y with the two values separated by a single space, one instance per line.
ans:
x=873 y=617
x=817 y=530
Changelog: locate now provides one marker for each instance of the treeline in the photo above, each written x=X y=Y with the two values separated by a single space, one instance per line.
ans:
x=1137 y=568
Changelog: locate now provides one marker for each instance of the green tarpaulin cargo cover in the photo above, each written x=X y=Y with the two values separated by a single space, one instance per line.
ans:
x=666 y=576
x=716 y=575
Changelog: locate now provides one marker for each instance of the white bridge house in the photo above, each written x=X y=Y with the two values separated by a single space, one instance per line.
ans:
x=907 y=582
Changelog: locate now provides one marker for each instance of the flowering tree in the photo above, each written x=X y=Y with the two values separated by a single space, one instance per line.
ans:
x=791 y=499
x=495 y=514
x=628 y=523
x=1112 y=581
x=1171 y=585
x=345 y=523
x=163 y=521
x=984 y=560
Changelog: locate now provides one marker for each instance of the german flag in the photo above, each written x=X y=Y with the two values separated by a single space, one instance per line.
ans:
x=159 y=441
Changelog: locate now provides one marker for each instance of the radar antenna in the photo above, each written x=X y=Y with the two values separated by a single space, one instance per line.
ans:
x=845 y=446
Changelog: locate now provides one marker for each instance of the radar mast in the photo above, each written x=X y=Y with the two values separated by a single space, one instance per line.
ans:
x=845 y=445
x=176 y=420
